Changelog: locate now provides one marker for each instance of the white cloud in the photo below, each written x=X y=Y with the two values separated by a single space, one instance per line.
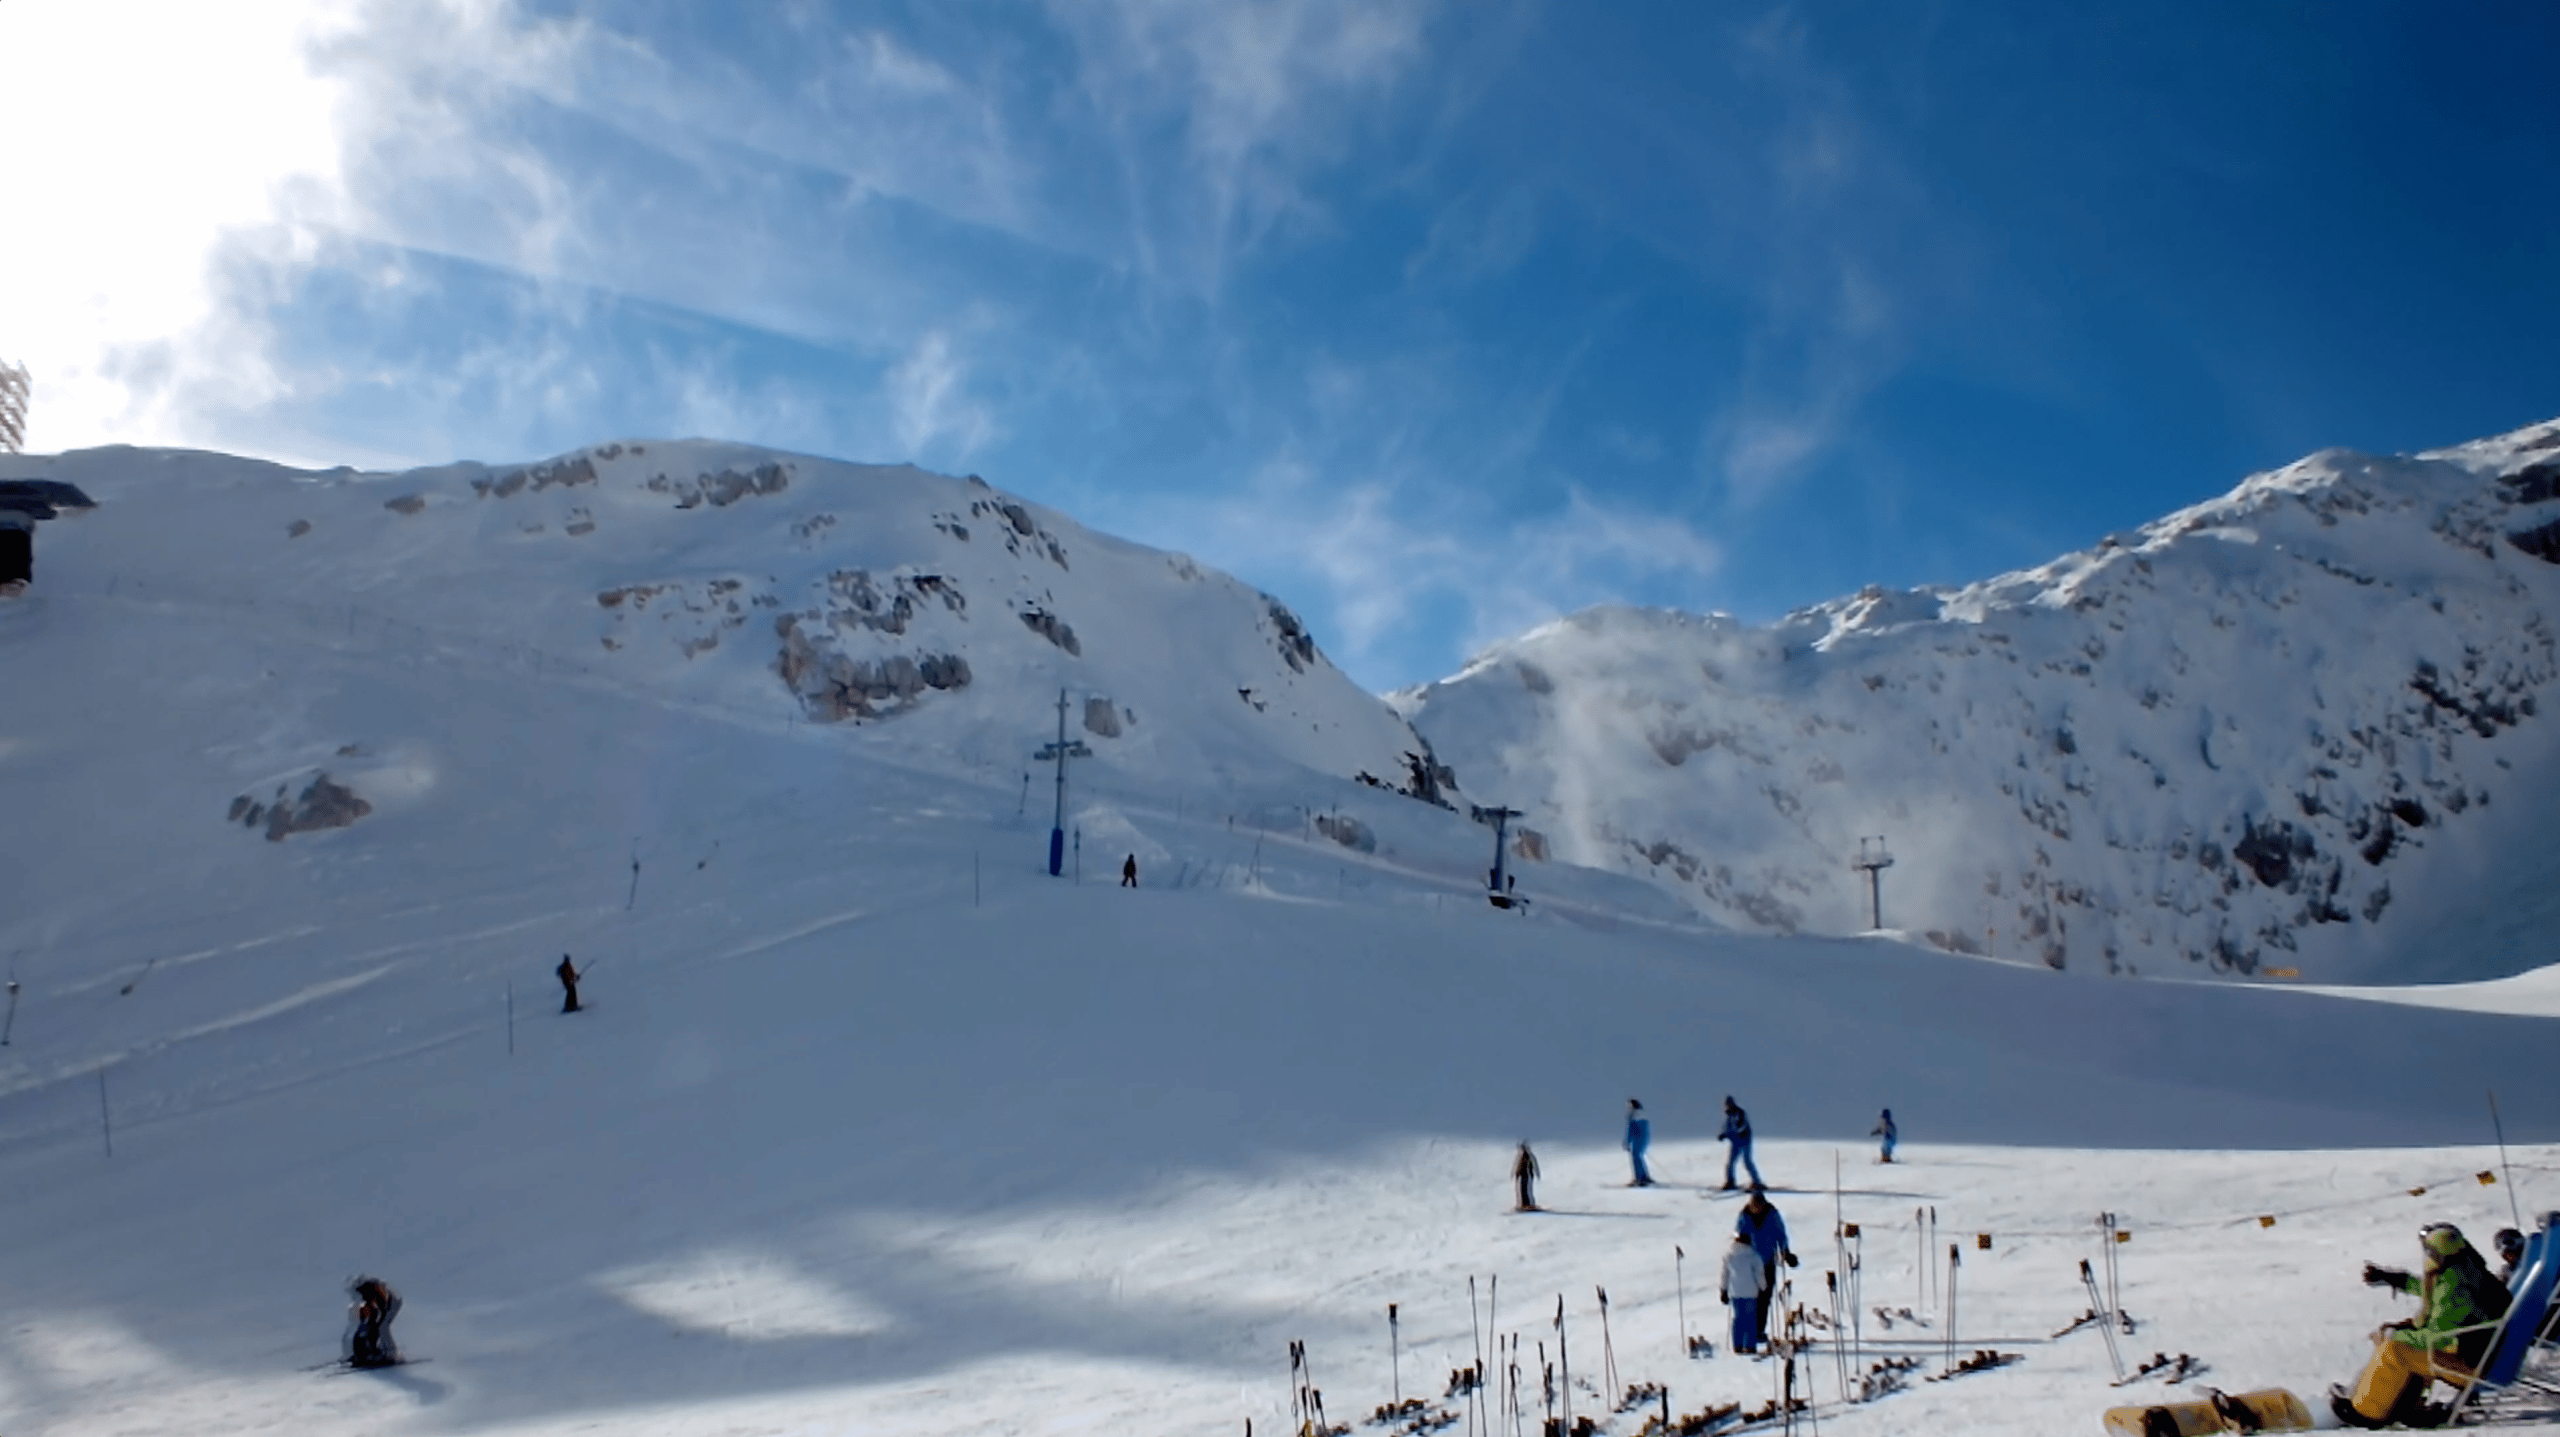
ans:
x=1262 y=94
x=930 y=404
x=151 y=130
x=1840 y=218
x=1384 y=554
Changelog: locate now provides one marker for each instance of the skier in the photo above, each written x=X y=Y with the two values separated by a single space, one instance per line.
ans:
x=1886 y=1130
x=568 y=972
x=1746 y=1277
x=1737 y=1131
x=1524 y=1181
x=369 y=1341
x=1639 y=1137
x=1762 y=1227
x=2458 y=1292
x=1129 y=871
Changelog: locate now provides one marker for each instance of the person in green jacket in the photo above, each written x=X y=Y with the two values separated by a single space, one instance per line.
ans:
x=2460 y=1298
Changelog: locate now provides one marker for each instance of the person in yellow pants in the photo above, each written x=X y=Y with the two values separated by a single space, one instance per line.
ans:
x=2461 y=1298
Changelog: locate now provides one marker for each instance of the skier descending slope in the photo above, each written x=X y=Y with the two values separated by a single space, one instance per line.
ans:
x=1737 y=1131
x=1639 y=1137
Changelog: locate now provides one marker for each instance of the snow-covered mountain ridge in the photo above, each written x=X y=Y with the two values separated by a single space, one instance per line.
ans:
x=943 y=614
x=2296 y=726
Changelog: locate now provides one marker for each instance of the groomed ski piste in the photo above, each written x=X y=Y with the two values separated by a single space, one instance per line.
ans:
x=872 y=1126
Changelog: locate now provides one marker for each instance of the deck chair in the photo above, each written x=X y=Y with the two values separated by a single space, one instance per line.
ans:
x=2519 y=1374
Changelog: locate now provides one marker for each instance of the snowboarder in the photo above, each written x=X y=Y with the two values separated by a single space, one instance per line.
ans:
x=1746 y=1277
x=1886 y=1130
x=1762 y=1227
x=568 y=972
x=1129 y=871
x=1639 y=1137
x=1737 y=1131
x=2458 y=1292
x=1524 y=1181
x=369 y=1341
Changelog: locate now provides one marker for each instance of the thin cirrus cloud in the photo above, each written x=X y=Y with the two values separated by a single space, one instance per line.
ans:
x=1434 y=319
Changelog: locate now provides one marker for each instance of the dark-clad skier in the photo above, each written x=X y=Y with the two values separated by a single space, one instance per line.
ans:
x=1737 y=1131
x=1524 y=1181
x=369 y=1341
x=568 y=972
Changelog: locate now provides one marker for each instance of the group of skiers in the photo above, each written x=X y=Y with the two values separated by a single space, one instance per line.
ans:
x=1759 y=1235
x=2462 y=1301
x=1736 y=1134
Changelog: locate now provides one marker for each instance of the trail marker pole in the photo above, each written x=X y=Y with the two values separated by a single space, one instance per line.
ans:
x=106 y=1122
x=1395 y=1356
x=2513 y=1206
x=11 y=1025
x=635 y=877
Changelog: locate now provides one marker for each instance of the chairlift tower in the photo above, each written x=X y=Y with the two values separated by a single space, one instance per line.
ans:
x=1500 y=892
x=1874 y=860
x=1061 y=751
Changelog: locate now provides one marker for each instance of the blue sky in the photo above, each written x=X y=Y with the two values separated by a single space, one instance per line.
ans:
x=1436 y=319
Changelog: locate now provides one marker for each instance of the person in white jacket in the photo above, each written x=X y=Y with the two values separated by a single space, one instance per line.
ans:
x=1746 y=1278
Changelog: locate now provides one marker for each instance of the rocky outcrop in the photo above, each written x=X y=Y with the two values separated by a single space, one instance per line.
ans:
x=322 y=804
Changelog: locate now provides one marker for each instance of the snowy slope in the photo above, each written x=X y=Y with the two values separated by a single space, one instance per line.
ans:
x=2300 y=726
x=873 y=1127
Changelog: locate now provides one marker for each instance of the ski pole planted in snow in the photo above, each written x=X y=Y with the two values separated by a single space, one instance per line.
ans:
x=1608 y=1352
x=1680 y=1285
x=1475 y=1404
x=1564 y=1362
x=1955 y=1260
x=2106 y=1319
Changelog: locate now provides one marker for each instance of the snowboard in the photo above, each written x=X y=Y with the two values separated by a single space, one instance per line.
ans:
x=2273 y=1410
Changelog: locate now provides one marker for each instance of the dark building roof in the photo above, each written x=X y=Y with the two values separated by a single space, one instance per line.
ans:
x=42 y=498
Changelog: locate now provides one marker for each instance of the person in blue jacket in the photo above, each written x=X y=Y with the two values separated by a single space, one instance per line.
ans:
x=1760 y=1226
x=1891 y=1135
x=1639 y=1137
x=1737 y=1131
